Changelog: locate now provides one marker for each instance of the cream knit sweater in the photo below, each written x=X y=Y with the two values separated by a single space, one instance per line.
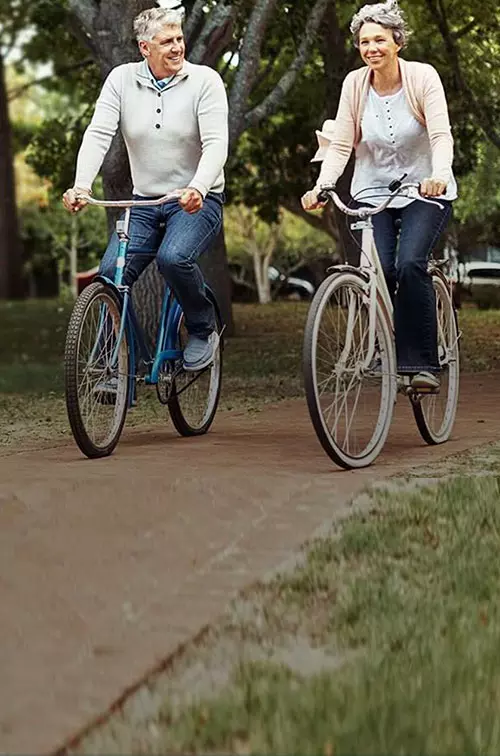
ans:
x=175 y=138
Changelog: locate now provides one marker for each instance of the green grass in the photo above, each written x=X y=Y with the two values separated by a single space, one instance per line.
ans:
x=262 y=362
x=407 y=596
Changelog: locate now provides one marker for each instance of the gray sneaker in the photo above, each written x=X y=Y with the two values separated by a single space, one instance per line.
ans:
x=200 y=353
x=106 y=390
x=426 y=382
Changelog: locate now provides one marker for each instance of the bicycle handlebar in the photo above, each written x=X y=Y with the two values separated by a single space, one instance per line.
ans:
x=130 y=203
x=411 y=190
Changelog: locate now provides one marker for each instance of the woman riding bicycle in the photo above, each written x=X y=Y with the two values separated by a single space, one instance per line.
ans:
x=394 y=114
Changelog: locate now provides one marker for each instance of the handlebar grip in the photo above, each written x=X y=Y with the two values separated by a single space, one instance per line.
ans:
x=323 y=196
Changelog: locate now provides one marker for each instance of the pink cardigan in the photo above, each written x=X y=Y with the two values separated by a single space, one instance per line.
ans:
x=426 y=98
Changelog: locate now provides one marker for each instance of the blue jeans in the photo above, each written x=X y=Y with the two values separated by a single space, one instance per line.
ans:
x=405 y=238
x=176 y=239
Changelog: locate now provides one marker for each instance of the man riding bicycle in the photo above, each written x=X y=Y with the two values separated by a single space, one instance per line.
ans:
x=173 y=116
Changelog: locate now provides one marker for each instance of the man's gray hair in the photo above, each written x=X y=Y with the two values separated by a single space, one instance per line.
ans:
x=388 y=14
x=150 y=22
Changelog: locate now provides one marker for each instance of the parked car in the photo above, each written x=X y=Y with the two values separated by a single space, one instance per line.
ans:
x=474 y=273
x=290 y=287
x=282 y=286
x=479 y=281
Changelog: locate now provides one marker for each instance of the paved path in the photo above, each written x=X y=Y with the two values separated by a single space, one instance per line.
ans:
x=107 y=566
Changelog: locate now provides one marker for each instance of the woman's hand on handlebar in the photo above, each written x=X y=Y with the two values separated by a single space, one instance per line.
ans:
x=310 y=199
x=431 y=187
x=70 y=201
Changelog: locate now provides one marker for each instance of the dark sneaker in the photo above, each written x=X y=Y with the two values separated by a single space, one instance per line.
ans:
x=200 y=353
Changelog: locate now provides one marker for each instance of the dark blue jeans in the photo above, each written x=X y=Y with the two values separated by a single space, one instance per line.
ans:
x=405 y=238
x=176 y=239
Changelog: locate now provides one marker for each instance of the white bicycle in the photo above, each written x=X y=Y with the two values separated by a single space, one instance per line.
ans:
x=349 y=356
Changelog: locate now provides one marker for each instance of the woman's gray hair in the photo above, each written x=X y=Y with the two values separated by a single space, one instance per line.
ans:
x=150 y=22
x=388 y=14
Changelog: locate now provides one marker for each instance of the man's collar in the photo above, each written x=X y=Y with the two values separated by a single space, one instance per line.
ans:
x=145 y=75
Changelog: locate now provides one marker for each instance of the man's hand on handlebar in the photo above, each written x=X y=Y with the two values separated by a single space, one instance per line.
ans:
x=310 y=200
x=70 y=200
x=191 y=200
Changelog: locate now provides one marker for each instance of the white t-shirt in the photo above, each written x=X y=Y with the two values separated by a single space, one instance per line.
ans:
x=393 y=142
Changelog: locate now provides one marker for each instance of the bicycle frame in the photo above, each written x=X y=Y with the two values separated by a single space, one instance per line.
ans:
x=170 y=315
x=376 y=284
x=371 y=269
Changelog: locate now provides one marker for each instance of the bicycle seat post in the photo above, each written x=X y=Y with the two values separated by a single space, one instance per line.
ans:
x=122 y=227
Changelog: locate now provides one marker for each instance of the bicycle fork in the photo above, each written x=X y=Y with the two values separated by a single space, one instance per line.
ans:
x=370 y=298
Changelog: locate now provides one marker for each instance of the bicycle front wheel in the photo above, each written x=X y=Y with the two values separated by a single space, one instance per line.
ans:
x=96 y=371
x=195 y=396
x=350 y=402
x=435 y=413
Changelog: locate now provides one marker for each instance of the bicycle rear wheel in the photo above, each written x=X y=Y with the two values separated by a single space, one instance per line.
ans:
x=96 y=389
x=195 y=396
x=350 y=403
x=435 y=413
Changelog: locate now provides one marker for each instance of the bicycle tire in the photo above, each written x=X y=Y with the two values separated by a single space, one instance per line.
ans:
x=364 y=456
x=93 y=294
x=426 y=407
x=179 y=408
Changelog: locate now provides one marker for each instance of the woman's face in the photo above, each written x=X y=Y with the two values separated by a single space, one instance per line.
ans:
x=377 y=47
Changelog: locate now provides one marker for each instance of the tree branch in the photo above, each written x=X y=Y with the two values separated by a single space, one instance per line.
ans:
x=85 y=11
x=271 y=103
x=82 y=16
x=248 y=66
x=465 y=29
x=319 y=222
x=228 y=63
x=193 y=21
x=18 y=91
x=218 y=24
x=438 y=9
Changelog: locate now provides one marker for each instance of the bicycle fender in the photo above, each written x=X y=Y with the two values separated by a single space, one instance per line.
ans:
x=346 y=268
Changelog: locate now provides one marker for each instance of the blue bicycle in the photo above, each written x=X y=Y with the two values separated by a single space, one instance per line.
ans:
x=105 y=343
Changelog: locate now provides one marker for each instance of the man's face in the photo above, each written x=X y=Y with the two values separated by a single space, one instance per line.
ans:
x=165 y=52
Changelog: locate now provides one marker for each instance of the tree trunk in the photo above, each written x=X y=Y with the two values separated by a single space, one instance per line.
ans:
x=336 y=39
x=11 y=283
x=261 y=271
x=215 y=268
